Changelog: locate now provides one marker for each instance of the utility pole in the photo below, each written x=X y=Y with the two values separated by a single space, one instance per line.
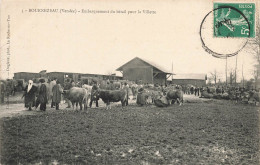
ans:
x=243 y=74
x=236 y=72
x=226 y=69
x=172 y=70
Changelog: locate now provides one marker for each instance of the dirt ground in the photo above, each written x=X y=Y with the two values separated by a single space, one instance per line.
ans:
x=199 y=132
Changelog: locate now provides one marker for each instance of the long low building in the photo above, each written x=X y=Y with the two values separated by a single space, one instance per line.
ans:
x=192 y=79
x=62 y=76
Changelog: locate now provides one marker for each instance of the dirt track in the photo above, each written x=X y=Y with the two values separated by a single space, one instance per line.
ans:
x=16 y=106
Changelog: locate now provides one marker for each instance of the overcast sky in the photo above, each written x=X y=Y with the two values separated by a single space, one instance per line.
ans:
x=100 y=43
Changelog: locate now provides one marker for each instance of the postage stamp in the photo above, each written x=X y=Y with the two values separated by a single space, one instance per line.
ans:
x=234 y=20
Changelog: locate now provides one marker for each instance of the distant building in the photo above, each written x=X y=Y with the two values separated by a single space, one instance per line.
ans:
x=140 y=70
x=193 y=79
x=26 y=75
x=62 y=76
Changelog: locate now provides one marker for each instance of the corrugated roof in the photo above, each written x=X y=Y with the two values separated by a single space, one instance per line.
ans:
x=149 y=63
x=193 y=76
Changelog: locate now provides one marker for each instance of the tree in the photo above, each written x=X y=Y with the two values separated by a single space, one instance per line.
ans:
x=253 y=48
x=214 y=76
x=232 y=76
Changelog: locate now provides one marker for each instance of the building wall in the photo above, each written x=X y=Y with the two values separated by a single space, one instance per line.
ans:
x=59 y=76
x=145 y=74
x=160 y=79
x=189 y=81
x=26 y=76
x=138 y=70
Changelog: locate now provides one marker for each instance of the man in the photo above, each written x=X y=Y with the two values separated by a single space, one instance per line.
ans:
x=42 y=97
x=94 y=95
x=29 y=95
x=52 y=83
x=3 y=90
x=67 y=86
x=198 y=91
x=57 y=91
x=126 y=88
x=73 y=83
x=195 y=91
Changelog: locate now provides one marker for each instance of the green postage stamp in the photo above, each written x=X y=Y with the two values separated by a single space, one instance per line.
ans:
x=234 y=20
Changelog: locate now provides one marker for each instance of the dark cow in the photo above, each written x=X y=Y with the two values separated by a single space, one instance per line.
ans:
x=77 y=95
x=109 y=96
x=175 y=95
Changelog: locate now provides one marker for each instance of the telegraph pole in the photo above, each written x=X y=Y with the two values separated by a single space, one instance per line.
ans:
x=236 y=72
x=226 y=69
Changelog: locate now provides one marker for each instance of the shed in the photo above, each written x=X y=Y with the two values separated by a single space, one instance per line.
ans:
x=192 y=78
x=138 y=70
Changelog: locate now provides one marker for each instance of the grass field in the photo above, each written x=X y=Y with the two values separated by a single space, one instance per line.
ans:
x=215 y=132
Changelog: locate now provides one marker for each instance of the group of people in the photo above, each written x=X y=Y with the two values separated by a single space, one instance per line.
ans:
x=190 y=90
x=35 y=95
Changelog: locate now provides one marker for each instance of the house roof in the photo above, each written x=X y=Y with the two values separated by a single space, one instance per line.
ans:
x=190 y=76
x=147 y=62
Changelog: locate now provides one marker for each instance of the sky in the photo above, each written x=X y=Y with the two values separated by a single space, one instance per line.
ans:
x=100 y=43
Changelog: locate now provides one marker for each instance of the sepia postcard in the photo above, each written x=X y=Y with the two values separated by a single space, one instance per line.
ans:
x=129 y=82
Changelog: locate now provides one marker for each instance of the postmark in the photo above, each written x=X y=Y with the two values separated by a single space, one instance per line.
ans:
x=225 y=30
x=234 y=20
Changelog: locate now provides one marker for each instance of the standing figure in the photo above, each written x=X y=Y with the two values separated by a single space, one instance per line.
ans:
x=192 y=90
x=2 y=92
x=29 y=95
x=126 y=88
x=73 y=83
x=42 y=97
x=93 y=96
x=67 y=86
x=198 y=91
x=52 y=83
x=57 y=91
x=195 y=91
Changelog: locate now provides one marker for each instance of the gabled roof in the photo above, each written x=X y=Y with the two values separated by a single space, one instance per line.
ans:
x=148 y=63
x=193 y=76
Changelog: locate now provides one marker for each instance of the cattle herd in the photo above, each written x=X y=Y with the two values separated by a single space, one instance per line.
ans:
x=161 y=96
x=121 y=92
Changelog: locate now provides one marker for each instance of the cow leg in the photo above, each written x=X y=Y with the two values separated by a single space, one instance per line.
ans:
x=80 y=105
x=178 y=100
x=86 y=104
x=77 y=106
x=90 y=104
x=73 y=103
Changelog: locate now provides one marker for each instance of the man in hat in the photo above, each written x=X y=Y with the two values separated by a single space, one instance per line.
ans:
x=42 y=97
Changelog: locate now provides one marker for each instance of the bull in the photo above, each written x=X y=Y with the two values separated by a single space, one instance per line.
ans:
x=175 y=95
x=109 y=96
x=77 y=95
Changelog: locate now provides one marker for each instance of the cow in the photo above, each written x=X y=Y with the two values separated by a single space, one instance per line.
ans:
x=117 y=85
x=87 y=87
x=77 y=95
x=109 y=96
x=254 y=97
x=173 y=95
x=161 y=101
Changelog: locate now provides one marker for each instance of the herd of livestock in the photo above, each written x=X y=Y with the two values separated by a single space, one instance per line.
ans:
x=160 y=96
x=144 y=94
